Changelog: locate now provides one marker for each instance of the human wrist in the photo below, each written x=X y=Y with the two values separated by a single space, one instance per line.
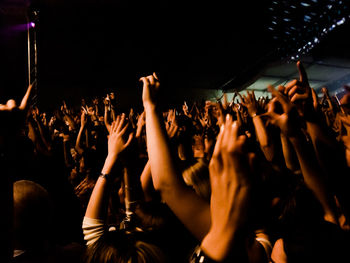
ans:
x=109 y=164
x=252 y=114
x=149 y=106
x=218 y=244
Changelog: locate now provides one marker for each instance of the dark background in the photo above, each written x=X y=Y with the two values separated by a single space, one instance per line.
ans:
x=89 y=48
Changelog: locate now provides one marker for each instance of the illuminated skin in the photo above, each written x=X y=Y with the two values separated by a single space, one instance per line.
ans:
x=98 y=203
x=11 y=104
x=215 y=225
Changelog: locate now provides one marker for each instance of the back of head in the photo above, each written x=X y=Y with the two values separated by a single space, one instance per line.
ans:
x=32 y=214
x=197 y=176
x=123 y=247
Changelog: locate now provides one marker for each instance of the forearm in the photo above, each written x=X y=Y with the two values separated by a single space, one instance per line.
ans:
x=139 y=131
x=260 y=131
x=289 y=154
x=78 y=141
x=163 y=170
x=263 y=138
x=192 y=211
x=314 y=177
x=328 y=150
x=147 y=183
x=24 y=102
x=98 y=203
x=106 y=119
x=318 y=135
x=87 y=139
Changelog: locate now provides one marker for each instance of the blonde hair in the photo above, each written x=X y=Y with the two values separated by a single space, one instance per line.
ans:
x=197 y=176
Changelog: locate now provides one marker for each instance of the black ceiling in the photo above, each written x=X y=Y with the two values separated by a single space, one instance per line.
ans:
x=91 y=47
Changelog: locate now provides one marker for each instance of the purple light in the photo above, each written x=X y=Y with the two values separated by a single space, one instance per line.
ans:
x=32 y=24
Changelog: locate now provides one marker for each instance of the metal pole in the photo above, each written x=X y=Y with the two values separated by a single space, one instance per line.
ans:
x=28 y=47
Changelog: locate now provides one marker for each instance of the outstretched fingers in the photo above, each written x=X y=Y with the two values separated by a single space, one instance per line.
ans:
x=131 y=136
x=121 y=123
x=217 y=148
x=302 y=73
x=283 y=100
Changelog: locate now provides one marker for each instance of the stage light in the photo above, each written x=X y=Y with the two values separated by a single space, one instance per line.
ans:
x=340 y=22
x=299 y=25
x=32 y=24
x=305 y=4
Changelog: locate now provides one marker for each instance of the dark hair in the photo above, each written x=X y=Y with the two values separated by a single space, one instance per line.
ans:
x=122 y=246
x=32 y=212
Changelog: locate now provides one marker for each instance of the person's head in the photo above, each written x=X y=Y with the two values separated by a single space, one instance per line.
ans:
x=121 y=246
x=197 y=176
x=32 y=214
x=345 y=103
x=184 y=137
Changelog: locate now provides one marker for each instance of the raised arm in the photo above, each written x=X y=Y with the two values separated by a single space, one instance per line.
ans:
x=290 y=124
x=24 y=103
x=230 y=177
x=300 y=94
x=329 y=153
x=265 y=143
x=44 y=138
x=67 y=116
x=98 y=203
x=183 y=201
x=106 y=119
x=83 y=123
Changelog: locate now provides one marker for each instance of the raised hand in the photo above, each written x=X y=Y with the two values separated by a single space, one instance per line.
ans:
x=107 y=100
x=172 y=128
x=224 y=102
x=262 y=102
x=83 y=118
x=116 y=142
x=95 y=101
x=231 y=187
x=250 y=103
x=283 y=114
x=98 y=203
x=11 y=104
x=218 y=114
x=150 y=90
x=140 y=124
x=300 y=93
x=185 y=108
x=52 y=121
x=85 y=187
x=299 y=89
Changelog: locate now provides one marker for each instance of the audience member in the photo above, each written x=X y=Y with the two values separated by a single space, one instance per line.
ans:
x=252 y=180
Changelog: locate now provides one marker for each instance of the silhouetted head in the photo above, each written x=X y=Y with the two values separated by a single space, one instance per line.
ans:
x=121 y=246
x=32 y=214
x=197 y=176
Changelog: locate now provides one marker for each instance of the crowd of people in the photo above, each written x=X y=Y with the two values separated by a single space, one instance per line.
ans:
x=246 y=180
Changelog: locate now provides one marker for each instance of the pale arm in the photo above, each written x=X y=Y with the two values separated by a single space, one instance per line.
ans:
x=98 y=203
x=184 y=202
